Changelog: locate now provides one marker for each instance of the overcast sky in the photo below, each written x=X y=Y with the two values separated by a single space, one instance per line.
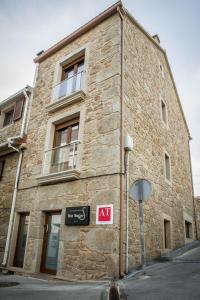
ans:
x=26 y=27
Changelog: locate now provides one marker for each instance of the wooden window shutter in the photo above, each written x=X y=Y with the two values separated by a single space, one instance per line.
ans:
x=1 y=167
x=18 y=109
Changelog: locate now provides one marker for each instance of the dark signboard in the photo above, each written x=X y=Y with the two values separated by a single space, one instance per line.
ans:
x=79 y=215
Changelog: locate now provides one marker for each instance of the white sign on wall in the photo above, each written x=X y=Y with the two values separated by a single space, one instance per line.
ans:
x=104 y=214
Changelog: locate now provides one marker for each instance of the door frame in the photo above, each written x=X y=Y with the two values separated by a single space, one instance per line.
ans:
x=45 y=240
x=21 y=214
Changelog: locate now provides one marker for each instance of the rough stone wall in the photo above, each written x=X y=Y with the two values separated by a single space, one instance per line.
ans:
x=6 y=192
x=147 y=79
x=85 y=252
x=197 y=211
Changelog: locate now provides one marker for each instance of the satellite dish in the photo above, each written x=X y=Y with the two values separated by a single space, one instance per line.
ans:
x=140 y=190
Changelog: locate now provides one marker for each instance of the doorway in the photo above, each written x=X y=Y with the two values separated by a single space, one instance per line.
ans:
x=50 y=242
x=21 y=240
x=167 y=234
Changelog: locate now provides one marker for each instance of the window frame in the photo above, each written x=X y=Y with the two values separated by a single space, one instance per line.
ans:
x=166 y=218
x=67 y=61
x=73 y=64
x=68 y=124
x=8 y=110
x=188 y=229
x=16 y=108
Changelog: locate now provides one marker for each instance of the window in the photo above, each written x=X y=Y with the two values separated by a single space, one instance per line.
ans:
x=161 y=69
x=2 y=162
x=65 y=146
x=167 y=234
x=18 y=109
x=14 y=113
x=164 y=111
x=167 y=167
x=71 y=79
x=8 y=119
x=63 y=149
x=188 y=230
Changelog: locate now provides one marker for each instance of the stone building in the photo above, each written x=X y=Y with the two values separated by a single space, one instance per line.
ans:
x=197 y=211
x=107 y=79
x=13 y=127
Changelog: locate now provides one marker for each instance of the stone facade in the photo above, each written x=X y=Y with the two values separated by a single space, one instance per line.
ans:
x=147 y=81
x=92 y=251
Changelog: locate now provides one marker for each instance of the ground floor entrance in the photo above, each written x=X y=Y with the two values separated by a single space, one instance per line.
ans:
x=50 y=242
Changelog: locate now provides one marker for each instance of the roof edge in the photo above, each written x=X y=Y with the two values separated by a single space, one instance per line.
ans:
x=27 y=88
x=78 y=32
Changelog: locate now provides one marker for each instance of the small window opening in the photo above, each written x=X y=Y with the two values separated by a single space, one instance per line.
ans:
x=167 y=234
x=167 y=167
x=8 y=119
x=188 y=230
x=164 y=111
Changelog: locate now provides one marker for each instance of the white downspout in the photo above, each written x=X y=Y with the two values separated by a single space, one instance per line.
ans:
x=127 y=207
x=12 y=211
x=128 y=147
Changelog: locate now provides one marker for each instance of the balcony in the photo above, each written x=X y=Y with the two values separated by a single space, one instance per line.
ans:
x=67 y=92
x=60 y=164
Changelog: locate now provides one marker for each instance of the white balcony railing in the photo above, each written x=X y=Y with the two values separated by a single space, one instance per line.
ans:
x=70 y=85
x=60 y=158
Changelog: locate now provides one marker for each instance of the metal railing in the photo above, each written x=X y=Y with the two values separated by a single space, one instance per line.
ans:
x=60 y=158
x=69 y=86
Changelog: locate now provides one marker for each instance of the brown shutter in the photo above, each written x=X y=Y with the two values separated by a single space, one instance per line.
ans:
x=1 y=167
x=18 y=109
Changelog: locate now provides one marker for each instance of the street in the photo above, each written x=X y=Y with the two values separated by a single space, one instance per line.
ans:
x=35 y=289
x=178 y=279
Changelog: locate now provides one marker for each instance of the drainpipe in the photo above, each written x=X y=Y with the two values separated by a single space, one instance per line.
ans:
x=128 y=146
x=121 y=235
x=127 y=207
x=5 y=258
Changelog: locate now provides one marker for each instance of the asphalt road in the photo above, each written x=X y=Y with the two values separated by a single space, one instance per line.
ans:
x=37 y=289
x=177 y=280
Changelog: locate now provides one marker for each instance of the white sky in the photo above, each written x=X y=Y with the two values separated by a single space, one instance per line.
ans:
x=26 y=27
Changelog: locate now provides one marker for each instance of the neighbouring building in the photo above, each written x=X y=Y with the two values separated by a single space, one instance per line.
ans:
x=108 y=79
x=197 y=211
x=13 y=127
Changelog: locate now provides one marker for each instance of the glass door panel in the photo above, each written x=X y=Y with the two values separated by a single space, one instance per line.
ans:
x=51 y=242
x=21 y=240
